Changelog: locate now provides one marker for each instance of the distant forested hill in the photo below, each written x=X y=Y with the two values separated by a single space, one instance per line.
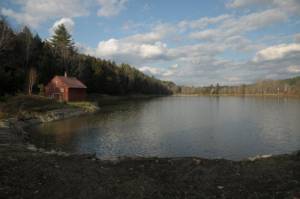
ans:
x=287 y=87
x=27 y=62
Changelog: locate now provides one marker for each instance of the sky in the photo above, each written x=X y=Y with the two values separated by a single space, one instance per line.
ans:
x=190 y=42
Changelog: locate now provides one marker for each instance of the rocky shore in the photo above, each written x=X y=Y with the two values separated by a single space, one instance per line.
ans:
x=24 y=111
x=33 y=173
x=17 y=125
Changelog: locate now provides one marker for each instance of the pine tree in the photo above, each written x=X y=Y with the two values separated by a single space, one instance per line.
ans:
x=62 y=38
x=27 y=38
x=63 y=45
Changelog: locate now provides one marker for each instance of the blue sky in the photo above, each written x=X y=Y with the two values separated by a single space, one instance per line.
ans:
x=189 y=42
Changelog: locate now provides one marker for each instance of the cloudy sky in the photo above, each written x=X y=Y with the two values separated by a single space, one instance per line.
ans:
x=190 y=42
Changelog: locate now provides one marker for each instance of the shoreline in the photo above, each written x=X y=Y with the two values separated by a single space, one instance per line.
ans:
x=33 y=174
x=17 y=126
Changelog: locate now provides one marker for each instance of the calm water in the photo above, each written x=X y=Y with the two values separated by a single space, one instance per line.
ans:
x=212 y=127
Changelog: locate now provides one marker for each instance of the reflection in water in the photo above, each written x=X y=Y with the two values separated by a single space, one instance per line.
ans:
x=228 y=127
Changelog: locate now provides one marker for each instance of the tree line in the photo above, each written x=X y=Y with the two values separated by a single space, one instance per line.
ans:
x=27 y=63
x=286 y=87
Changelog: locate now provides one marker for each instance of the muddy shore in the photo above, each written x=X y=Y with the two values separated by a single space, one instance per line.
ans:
x=33 y=174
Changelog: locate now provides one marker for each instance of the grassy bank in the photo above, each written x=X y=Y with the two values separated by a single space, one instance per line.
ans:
x=28 y=174
x=15 y=106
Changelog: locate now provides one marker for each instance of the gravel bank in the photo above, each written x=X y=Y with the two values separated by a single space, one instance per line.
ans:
x=32 y=174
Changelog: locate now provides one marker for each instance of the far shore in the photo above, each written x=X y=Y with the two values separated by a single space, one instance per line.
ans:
x=239 y=95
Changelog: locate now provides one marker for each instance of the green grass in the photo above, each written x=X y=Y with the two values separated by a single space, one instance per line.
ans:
x=34 y=103
x=19 y=104
x=87 y=106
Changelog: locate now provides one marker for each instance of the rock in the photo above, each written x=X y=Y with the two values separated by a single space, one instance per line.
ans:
x=220 y=187
x=4 y=124
x=259 y=157
x=32 y=147
x=196 y=161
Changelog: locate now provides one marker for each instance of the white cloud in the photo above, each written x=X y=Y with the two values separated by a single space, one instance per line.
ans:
x=252 y=21
x=34 y=12
x=151 y=70
x=235 y=26
x=138 y=48
x=242 y=44
x=132 y=26
x=152 y=51
x=158 y=72
x=293 y=69
x=288 y=6
x=245 y=3
x=174 y=66
x=68 y=23
x=111 y=8
x=159 y=32
x=23 y=18
x=85 y=49
x=145 y=38
x=202 y=22
x=276 y=52
x=209 y=34
x=121 y=50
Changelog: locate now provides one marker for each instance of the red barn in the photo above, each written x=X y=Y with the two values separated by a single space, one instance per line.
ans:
x=65 y=88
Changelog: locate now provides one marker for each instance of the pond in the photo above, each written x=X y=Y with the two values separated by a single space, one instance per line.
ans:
x=211 y=127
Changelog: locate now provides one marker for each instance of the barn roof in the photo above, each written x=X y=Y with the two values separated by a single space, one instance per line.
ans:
x=71 y=82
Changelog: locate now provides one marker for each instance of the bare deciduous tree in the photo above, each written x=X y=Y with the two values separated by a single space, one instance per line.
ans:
x=32 y=78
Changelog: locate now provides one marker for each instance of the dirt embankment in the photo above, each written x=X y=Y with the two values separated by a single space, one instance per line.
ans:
x=32 y=174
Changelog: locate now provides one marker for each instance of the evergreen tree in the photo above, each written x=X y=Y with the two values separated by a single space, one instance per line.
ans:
x=63 y=46
x=62 y=38
x=24 y=46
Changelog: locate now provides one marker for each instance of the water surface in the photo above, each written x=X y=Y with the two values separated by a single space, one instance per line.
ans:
x=212 y=127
